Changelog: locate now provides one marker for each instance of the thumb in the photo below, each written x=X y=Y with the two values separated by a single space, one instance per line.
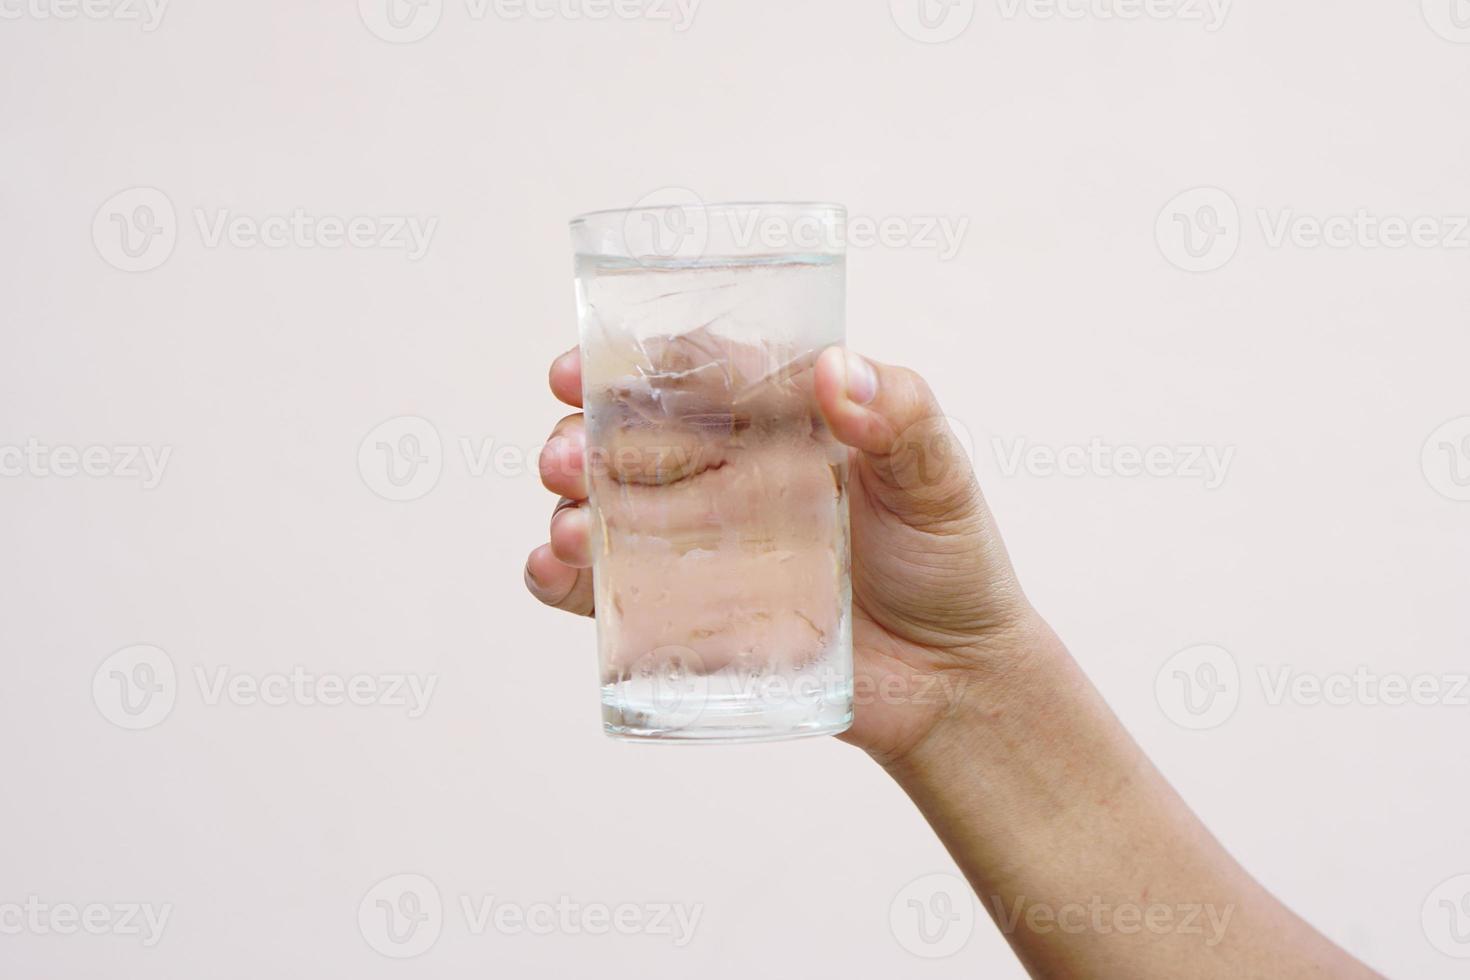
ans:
x=890 y=416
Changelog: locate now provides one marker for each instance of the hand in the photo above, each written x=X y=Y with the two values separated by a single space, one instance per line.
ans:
x=1035 y=788
x=937 y=611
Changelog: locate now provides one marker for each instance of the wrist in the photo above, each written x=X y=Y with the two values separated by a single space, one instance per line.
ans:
x=1004 y=674
x=1031 y=764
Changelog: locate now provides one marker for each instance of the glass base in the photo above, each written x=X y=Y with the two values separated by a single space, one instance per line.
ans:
x=721 y=719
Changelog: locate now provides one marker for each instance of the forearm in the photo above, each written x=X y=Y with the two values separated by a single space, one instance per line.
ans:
x=1086 y=858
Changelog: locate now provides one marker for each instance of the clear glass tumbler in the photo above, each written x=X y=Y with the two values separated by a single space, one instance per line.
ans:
x=718 y=497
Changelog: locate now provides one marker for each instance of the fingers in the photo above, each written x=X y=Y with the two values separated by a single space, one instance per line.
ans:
x=563 y=459
x=890 y=415
x=566 y=377
x=559 y=585
x=559 y=573
x=571 y=533
x=868 y=405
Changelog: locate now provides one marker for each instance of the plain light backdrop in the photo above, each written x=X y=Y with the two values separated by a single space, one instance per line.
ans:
x=1092 y=160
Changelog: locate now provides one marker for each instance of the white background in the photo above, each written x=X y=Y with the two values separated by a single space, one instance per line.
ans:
x=1329 y=545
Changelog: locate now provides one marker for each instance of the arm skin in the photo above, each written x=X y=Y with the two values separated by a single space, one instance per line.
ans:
x=1045 y=802
x=1087 y=860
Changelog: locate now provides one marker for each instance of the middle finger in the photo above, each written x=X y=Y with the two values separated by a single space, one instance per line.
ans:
x=563 y=462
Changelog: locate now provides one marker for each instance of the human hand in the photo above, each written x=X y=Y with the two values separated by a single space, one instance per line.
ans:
x=937 y=612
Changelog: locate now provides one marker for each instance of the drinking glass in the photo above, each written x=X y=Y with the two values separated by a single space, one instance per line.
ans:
x=717 y=495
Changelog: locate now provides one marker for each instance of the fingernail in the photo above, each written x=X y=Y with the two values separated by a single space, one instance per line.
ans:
x=862 y=380
x=531 y=582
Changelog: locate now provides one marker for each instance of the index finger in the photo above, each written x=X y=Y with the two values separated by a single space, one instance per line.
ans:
x=566 y=377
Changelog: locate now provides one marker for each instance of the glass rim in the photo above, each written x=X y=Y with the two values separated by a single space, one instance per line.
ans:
x=816 y=207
